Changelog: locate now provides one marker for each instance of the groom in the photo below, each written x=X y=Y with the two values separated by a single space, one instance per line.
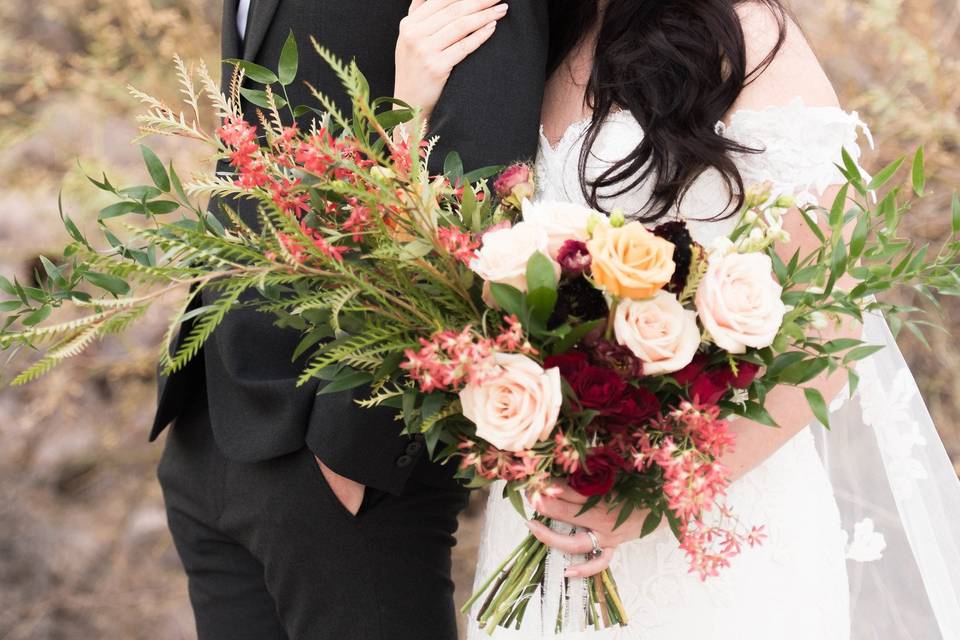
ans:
x=302 y=516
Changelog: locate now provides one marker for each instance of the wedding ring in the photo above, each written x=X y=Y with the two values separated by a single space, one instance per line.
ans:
x=596 y=552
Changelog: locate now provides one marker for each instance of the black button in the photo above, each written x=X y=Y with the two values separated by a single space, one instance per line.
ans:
x=404 y=461
x=413 y=448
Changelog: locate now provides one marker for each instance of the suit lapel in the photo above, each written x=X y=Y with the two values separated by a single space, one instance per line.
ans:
x=261 y=14
x=229 y=38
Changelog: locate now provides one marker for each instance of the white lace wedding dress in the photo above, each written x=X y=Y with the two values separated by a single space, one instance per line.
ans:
x=797 y=585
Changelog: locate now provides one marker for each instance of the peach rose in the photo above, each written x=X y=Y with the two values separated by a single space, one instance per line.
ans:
x=505 y=252
x=518 y=407
x=629 y=261
x=561 y=221
x=739 y=303
x=659 y=331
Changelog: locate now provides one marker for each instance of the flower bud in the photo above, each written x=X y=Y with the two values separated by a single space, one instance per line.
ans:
x=818 y=320
x=617 y=219
x=785 y=201
x=515 y=184
x=750 y=217
x=756 y=235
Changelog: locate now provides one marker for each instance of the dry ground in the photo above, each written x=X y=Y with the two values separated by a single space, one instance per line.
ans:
x=84 y=551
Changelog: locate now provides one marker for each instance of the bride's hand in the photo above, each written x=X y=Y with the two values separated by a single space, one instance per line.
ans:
x=435 y=36
x=564 y=508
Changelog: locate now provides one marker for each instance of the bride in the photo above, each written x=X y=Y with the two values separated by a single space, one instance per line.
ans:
x=672 y=108
x=666 y=109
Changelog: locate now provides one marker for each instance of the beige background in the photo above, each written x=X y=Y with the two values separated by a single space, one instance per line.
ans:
x=84 y=551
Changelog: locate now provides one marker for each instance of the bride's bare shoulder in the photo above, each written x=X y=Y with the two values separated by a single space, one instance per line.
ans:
x=794 y=70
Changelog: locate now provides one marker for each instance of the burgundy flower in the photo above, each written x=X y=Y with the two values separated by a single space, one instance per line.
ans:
x=634 y=409
x=571 y=364
x=690 y=372
x=599 y=388
x=597 y=475
x=574 y=258
x=746 y=374
x=676 y=232
x=607 y=353
x=710 y=386
x=577 y=297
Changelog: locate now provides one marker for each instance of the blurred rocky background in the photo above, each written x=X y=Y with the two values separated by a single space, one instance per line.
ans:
x=84 y=551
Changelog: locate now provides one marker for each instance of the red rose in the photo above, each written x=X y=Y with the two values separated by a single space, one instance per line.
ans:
x=571 y=364
x=746 y=374
x=692 y=371
x=634 y=409
x=599 y=388
x=597 y=475
x=710 y=386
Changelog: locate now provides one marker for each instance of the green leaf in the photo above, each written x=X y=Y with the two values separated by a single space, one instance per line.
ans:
x=624 y=513
x=541 y=302
x=575 y=335
x=516 y=499
x=254 y=71
x=453 y=167
x=119 y=209
x=143 y=192
x=510 y=299
x=158 y=173
x=393 y=117
x=289 y=61
x=858 y=239
x=348 y=379
x=259 y=98
x=860 y=353
x=755 y=412
x=177 y=184
x=651 y=522
x=482 y=173
x=162 y=207
x=883 y=176
x=837 y=209
x=38 y=316
x=818 y=405
x=841 y=344
x=10 y=305
x=541 y=273
x=955 y=214
x=918 y=175
x=113 y=284
x=814 y=227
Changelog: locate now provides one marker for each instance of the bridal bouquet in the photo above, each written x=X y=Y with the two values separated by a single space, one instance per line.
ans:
x=532 y=343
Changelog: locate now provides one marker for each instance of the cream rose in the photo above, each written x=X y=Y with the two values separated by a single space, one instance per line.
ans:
x=659 y=331
x=505 y=252
x=739 y=303
x=561 y=221
x=516 y=408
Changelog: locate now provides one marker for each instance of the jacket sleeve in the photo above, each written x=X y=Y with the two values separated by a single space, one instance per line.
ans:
x=490 y=114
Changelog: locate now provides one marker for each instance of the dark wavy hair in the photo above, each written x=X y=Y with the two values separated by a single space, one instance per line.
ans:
x=677 y=66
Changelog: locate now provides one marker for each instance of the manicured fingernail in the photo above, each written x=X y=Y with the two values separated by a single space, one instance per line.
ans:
x=501 y=8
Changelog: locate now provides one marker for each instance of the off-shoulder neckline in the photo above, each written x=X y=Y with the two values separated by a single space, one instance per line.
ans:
x=578 y=128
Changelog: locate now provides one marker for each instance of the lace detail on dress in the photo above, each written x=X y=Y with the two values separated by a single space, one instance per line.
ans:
x=800 y=148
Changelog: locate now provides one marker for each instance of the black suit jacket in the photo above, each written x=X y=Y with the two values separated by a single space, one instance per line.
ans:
x=489 y=113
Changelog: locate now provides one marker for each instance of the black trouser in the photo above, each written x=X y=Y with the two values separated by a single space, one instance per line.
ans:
x=271 y=553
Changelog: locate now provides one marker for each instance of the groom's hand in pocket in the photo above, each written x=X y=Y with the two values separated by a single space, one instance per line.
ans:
x=348 y=492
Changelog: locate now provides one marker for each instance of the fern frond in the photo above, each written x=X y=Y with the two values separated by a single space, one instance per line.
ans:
x=204 y=326
x=185 y=78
